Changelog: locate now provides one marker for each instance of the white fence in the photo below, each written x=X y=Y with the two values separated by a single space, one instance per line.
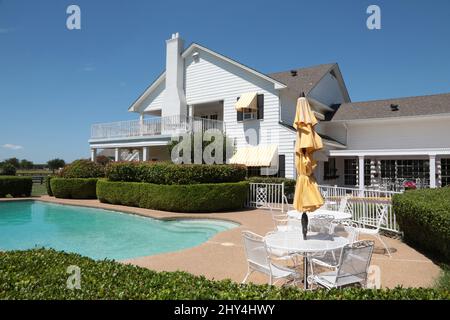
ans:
x=263 y=195
x=153 y=126
x=361 y=203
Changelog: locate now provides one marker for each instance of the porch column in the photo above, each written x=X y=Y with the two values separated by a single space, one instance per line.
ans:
x=93 y=154
x=116 y=154
x=432 y=171
x=141 y=124
x=145 y=151
x=361 y=172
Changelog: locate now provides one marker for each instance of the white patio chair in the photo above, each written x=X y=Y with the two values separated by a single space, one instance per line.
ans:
x=284 y=223
x=371 y=226
x=258 y=259
x=322 y=223
x=329 y=259
x=343 y=204
x=352 y=268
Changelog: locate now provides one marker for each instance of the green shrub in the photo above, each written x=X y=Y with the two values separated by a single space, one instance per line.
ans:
x=177 y=198
x=15 y=186
x=424 y=217
x=83 y=169
x=48 y=186
x=170 y=173
x=289 y=184
x=7 y=169
x=74 y=188
x=42 y=274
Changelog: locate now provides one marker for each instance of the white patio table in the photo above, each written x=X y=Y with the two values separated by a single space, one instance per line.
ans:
x=292 y=241
x=338 y=215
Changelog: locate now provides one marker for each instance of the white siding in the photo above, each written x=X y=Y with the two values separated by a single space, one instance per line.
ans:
x=328 y=91
x=400 y=134
x=212 y=79
x=155 y=99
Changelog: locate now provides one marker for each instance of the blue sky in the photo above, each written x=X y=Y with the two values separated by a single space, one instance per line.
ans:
x=54 y=83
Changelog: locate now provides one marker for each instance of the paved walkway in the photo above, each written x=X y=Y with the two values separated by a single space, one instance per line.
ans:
x=223 y=255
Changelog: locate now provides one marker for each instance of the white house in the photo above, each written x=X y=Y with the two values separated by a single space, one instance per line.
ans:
x=365 y=143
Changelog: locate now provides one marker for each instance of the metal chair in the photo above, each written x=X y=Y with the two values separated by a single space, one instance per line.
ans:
x=352 y=268
x=371 y=226
x=322 y=223
x=258 y=259
x=329 y=259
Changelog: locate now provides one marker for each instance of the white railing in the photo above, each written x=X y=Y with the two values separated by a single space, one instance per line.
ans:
x=153 y=126
x=265 y=195
x=361 y=203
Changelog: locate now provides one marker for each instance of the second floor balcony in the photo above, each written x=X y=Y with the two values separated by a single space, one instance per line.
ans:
x=156 y=126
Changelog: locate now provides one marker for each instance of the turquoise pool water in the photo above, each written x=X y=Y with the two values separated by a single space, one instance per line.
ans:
x=98 y=233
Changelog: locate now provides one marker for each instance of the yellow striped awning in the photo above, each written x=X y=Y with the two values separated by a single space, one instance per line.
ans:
x=256 y=156
x=247 y=100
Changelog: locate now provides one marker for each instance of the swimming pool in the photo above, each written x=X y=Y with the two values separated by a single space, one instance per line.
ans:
x=98 y=233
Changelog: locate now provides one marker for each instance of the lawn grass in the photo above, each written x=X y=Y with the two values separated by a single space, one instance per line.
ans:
x=38 y=190
x=443 y=282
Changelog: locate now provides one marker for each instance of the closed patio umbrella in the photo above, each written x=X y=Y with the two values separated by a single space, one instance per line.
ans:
x=307 y=196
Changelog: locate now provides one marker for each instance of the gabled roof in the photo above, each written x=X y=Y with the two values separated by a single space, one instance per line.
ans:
x=306 y=78
x=186 y=52
x=381 y=109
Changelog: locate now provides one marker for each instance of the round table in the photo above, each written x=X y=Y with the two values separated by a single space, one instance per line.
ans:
x=292 y=241
x=338 y=215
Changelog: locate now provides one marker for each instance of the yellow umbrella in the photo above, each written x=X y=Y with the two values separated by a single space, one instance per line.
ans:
x=307 y=196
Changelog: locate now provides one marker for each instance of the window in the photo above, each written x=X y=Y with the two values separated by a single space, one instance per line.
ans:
x=281 y=165
x=249 y=114
x=329 y=169
x=405 y=169
x=445 y=172
x=351 y=172
x=214 y=116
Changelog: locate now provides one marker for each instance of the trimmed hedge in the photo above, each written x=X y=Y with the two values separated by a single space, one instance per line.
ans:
x=48 y=186
x=15 y=186
x=170 y=173
x=74 y=188
x=424 y=217
x=42 y=274
x=83 y=169
x=176 y=198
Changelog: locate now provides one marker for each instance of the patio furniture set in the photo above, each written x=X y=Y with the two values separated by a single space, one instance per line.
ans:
x=332 y=245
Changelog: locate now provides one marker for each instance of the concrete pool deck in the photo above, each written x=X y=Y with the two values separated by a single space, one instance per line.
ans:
x=223 y=255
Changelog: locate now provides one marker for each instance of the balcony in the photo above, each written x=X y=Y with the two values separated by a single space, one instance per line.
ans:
x=169 y=125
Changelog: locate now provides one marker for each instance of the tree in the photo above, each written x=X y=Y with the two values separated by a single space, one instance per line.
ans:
x=55 y=164
x=14 y=162
x=7 y=169
x=25 y=164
